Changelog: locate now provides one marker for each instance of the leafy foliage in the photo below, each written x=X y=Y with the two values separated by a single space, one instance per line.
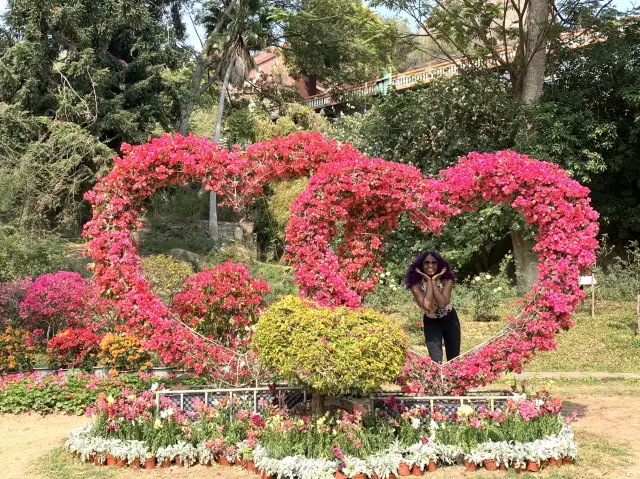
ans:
x=16 y=351
x=74 y=348
x=45 y=168
x=122 y=353
x=330 y=351
x=165 y=274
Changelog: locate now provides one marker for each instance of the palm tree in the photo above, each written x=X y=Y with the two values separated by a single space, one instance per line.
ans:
x=245 y=29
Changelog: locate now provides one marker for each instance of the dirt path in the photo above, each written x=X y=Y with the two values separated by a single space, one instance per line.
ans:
x=24 y=438
x=604 y=421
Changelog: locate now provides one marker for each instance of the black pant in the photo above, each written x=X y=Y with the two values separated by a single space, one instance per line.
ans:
x=446 y=328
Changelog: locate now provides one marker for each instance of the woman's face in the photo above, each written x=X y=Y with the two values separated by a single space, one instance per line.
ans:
x=430 y=265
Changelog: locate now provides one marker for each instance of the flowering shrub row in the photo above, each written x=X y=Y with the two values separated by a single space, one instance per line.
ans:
x=16 y=352
x=130 y=428
x=74 y=348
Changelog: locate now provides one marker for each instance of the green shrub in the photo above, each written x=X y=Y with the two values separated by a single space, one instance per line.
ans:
x=165 y=274
x=330 y=351
x=620 y=280
x=23 y=254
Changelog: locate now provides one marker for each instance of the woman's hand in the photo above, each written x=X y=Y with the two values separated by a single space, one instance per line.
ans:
x=436 y=277
x=425 y=276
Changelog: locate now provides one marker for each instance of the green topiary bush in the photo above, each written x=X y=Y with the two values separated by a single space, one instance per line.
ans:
x=330 y=351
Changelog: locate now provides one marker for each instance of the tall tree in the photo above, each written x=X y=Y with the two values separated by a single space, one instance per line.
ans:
x=92 y=62
x=513 y=35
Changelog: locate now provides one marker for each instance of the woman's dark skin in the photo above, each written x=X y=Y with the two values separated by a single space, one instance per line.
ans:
x=431 y=276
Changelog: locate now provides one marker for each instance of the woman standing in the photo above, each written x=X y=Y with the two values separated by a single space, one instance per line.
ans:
x=431 y=280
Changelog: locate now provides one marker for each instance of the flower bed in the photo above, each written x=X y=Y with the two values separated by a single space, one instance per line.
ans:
x=71 y=393
x=392 y=441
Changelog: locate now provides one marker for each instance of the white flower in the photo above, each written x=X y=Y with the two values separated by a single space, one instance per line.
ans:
x=477 y=278
x=488 y=276
x=167 y=413
x=154 y=386
x=157 y=424
x=433 y=425
x=415 y=423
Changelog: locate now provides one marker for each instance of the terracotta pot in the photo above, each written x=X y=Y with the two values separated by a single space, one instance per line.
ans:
x=544 y=464
x=111 y=461
x=555 y=462
x=503 y=466
x=533 y=466
x=91 y=458
x=135 y=464
x=432 y=466
x=490 y=464
x=120 y=463
x=223 y=461
x=416 y=470
x=567 y=460
x=518 y=470
x=340 y=475
x=166 y=463
x=359 y=476
x=374 y=476
x=251 y=467
x=97 y=461
x=470 y=466
x=150 y=463
x=403 y=469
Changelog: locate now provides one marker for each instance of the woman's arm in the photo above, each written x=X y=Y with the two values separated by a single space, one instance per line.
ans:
x=419 y=296
x=443 y=298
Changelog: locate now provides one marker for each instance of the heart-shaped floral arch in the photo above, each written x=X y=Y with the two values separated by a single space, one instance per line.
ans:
x=358 y=201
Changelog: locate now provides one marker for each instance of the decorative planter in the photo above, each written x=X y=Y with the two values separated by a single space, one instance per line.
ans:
x=340 y=475
x=98 y=461
x=544 y=464
x=161 y=372
x=432 y=466
x=101 y=372
x=223 y=461
x=490 y=464
x=179 y=462
x=533 y=466
x=518 y=470
x=91 y=458
x=567 y=460
x=135 y=464
x=403 y=469
x=470 y=466
x=120 y=462
x=416 y=470
x=150 y=463
x=359 y=476
x=555 y=462
x=166 y=463
x=43 y=371
x=250 y=465
x=503 y=466
x=111 y=461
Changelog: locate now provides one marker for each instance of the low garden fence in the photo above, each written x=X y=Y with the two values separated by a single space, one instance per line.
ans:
x=291 y=396
x=286 y=395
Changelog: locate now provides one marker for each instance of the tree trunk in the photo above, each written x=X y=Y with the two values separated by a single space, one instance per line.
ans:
x=213 y=199
x=317 y=404
x=196 y=91
x=526 y=261
x=536 y=51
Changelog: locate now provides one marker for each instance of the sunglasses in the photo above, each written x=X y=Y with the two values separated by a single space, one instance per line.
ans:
x=430 y=262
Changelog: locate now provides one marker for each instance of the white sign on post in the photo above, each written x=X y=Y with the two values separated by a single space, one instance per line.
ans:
x=587 y=281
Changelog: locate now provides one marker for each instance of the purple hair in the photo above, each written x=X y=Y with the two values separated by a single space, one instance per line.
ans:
x=412 y=277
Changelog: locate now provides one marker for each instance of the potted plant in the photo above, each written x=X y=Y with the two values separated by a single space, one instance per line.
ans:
x=186 y=454
x=533 y=458
x=518 y=456
x=165 y=456
x=120 y=451
x=150 y=460
x=205 y=454
x=355 y=468
x=137 y=453
x=384 y=465
x=488 y=453
x=472 y=460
